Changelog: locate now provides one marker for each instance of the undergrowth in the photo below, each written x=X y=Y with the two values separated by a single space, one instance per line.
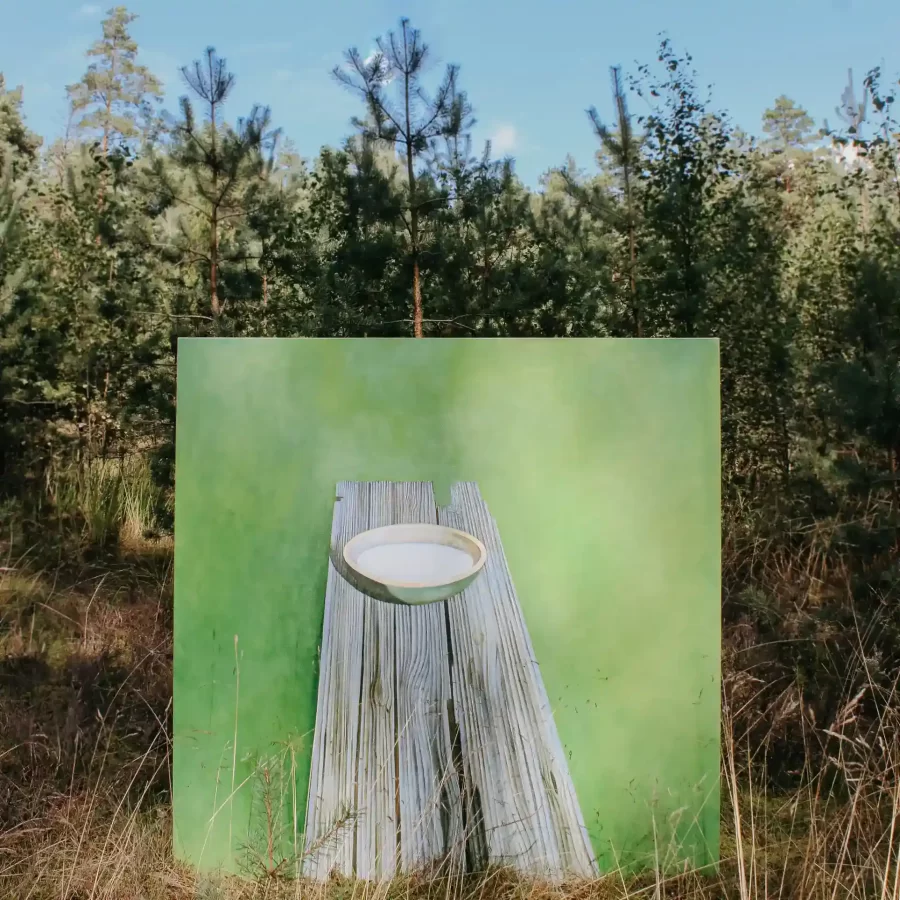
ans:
x=811 y=727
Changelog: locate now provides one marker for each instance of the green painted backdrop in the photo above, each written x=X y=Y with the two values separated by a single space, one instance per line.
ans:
x=599 y=459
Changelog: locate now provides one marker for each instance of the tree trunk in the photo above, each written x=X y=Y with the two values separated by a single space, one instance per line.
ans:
x=101 y=192
x=627 y=157
x=485 y=270
x=104 y=443
x=865 y=215
x=413 y=209
x=214 y=262
x=635 y=304
x=104 y=146
x=265 y=299
x=417 y=301
x=632 y=272
x=214 y=220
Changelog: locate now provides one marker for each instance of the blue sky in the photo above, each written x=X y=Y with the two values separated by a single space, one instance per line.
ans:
x=530 y=67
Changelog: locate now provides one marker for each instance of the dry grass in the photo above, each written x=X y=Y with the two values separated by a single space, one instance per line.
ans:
x=811 y=794
x=798 y=846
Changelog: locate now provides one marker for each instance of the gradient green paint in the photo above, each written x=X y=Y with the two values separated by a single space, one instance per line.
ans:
x=599 y=460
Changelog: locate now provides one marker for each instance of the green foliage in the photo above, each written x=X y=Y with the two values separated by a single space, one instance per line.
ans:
x=211 y=174
x=410 y=124
x=18 y=145
x=688 y=229
x=114 y=246
x=12 y=270
x=787 y=124
x=114 y=97
x=82 y=324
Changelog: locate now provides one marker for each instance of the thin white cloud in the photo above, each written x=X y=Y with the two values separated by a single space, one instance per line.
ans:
x=385 y=76
x=505 y=139
x=89 y=10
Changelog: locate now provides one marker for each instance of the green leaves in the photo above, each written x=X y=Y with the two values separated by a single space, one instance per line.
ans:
x=785 y=253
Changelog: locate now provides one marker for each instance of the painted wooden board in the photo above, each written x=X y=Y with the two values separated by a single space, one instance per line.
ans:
x=382 y=785
x=517 y=781
x=434 y=736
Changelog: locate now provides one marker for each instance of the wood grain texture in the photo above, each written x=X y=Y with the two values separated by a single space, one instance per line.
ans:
x=382 y=784
x=434 y=735
x=517 y=780
x=332 y=799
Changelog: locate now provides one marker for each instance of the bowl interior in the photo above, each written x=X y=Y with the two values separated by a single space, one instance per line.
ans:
x=415 y=555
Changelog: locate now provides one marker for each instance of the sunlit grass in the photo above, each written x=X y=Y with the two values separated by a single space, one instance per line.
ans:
x=113 y=500
x=84 y=796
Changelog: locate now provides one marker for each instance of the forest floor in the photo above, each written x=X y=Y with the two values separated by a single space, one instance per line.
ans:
x=85 y=767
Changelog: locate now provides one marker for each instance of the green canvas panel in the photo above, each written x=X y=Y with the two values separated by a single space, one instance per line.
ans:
x=599 y=460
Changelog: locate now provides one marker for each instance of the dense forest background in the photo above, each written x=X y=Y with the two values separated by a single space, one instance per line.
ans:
x=141 y=227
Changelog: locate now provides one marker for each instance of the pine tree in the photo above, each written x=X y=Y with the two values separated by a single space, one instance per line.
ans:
x=18 y=153
x=852 y=112
x=411 y=123
x=221 y=163
x=790 y=131
x=622 y=148
x=789 y=126
x=114 y=96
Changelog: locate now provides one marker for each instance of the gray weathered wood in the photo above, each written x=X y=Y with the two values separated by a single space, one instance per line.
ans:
x=434 y=742
x=332 y=801
x=390 y=712
x=431 y=827
x=376 y=827
x=516 y=778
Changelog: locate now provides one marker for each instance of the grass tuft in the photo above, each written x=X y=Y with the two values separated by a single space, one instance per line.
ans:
x=113 y=500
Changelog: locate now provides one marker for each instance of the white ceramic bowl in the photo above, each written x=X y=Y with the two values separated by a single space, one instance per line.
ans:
x=414 y=564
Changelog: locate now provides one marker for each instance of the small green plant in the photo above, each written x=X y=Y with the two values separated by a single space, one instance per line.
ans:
x=276 y=846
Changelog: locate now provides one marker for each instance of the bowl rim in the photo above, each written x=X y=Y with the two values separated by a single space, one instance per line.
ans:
x=476 y=567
